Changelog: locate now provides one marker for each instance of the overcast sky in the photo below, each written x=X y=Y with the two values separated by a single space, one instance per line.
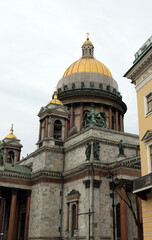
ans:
x=39 y=39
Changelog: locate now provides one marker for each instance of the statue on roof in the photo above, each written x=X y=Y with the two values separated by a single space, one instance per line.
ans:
x=88 y=151
x=96 y=150
x=121 y=147
x=94 y=119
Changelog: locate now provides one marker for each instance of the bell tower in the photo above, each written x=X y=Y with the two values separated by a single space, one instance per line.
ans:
x=11 y=148
x=53 y=123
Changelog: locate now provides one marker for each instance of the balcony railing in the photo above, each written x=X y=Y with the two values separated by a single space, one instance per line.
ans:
x=84 y=86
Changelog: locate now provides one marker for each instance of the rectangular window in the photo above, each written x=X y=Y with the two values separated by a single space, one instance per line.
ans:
x=149 y=103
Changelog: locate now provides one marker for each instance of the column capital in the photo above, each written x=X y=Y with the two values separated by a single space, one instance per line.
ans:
x=14 y=191
x=28 y=193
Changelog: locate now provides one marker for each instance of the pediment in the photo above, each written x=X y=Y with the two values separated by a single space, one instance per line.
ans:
x=73 y=195
x=57 y=108
x=132 y=163
x=53 y=108
x=147 y=136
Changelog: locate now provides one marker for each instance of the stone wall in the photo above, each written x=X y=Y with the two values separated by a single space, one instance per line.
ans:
x=47 y=159
x=99 y=201
x=108 y=139
x=45 y=216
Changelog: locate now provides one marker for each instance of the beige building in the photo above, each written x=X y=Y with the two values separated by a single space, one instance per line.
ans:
x=141 y=75
x=72 y=185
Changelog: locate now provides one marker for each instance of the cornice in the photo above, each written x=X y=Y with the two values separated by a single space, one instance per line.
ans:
x=21 y=179
x=81 y=171
x=138 y=68
x=53 y=114
x=100 y=140
x=16 y=147
x=102 y=130
x=70 y=94
x=44 y=149
x=103 y=167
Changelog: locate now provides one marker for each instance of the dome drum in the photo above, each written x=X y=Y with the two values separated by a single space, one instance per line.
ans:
x=89 y=87
x=88 y=77
x=95 y=96
x=83 y=84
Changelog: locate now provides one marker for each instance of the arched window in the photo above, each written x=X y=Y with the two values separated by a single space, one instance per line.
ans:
x=73 y=219
x=113 y=122
x=10 y=157
x=118 y=221
x=57 y=129
x=90 y=51
x=86 y=117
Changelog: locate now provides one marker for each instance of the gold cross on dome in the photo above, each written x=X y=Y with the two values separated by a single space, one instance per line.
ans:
x=87 y=35
x=11 y=130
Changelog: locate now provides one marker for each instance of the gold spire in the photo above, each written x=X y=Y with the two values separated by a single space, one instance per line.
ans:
x=55 y=100
x=87 y=35
x=11 y=135
x=11 y=130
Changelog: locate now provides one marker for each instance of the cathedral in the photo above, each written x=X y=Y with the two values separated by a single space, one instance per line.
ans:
x=73 y=185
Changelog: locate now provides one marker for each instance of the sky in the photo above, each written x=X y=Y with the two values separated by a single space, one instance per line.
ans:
x=39 y=39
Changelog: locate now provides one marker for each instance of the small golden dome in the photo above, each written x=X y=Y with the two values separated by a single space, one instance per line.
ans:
x=55 y=100
x=87 y=42
x=11 y=135
x=87 y=64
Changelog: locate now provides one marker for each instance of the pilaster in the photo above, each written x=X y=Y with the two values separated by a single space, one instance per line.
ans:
x=117 y=125
x=71 y=116
x=46 y=127
x=40 y=131
x=81 y=116
x=110 y=117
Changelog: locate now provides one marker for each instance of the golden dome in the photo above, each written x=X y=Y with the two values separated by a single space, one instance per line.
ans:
x=87 y=42
x=55 y=100
x=87 y=64
x=11 y=135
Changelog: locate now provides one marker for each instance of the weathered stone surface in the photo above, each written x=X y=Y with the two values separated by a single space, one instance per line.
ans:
x=45 y=216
